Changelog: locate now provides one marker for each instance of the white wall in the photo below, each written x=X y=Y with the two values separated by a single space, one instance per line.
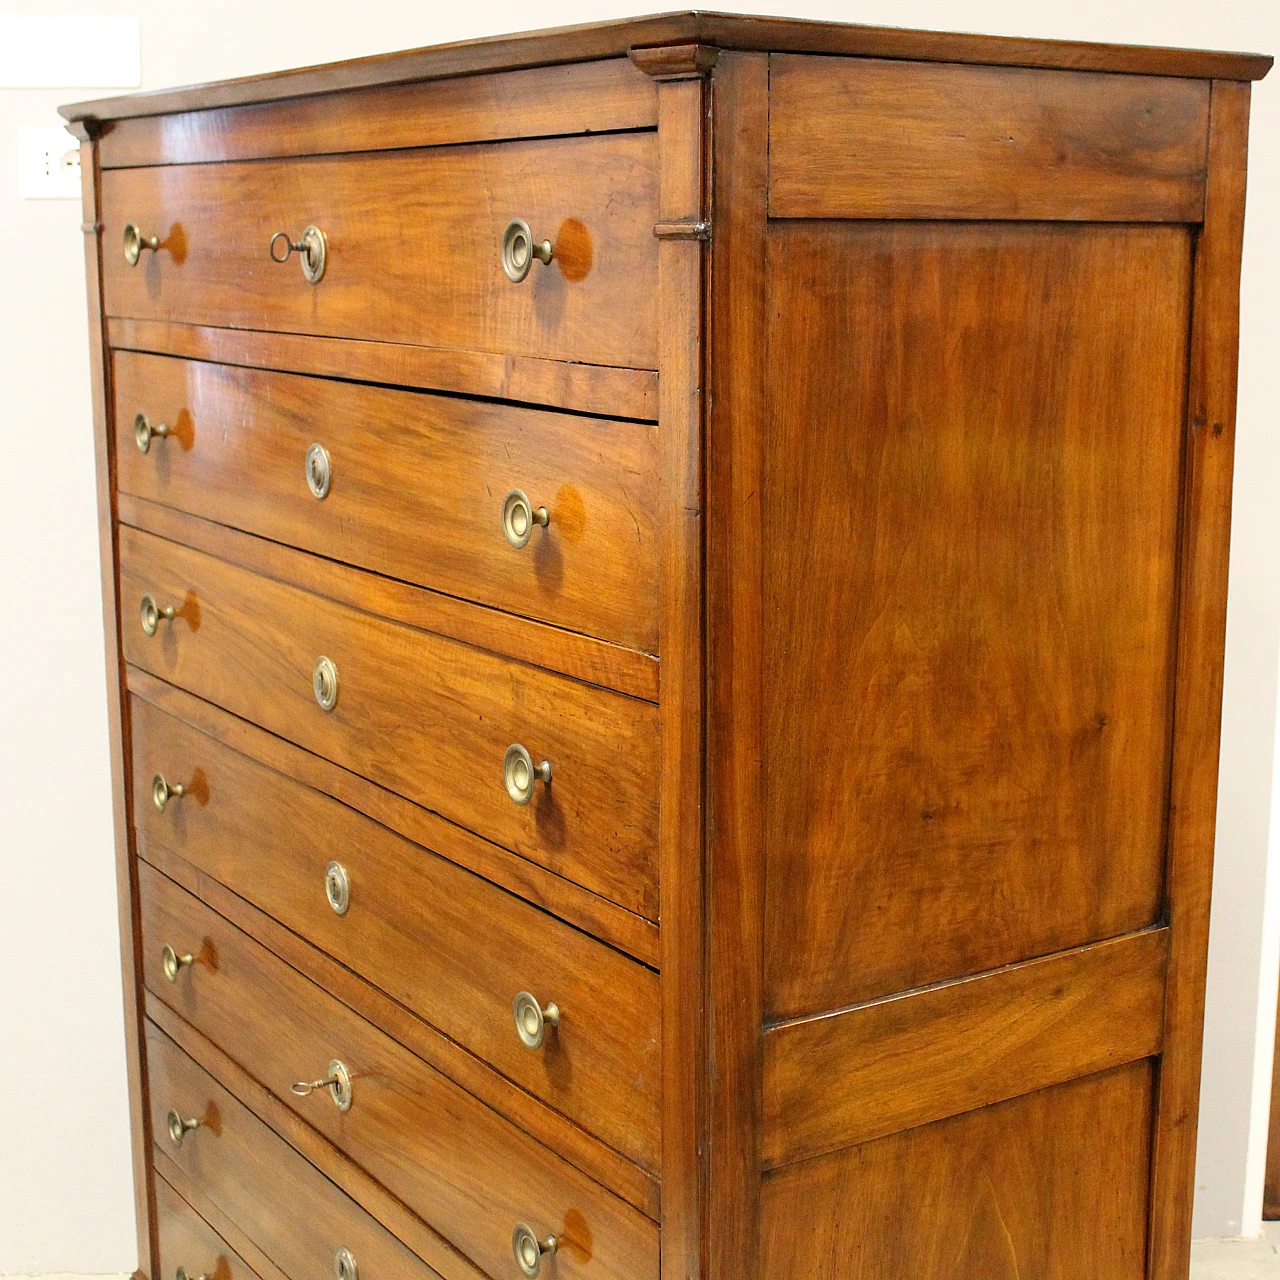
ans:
x=65 y=1198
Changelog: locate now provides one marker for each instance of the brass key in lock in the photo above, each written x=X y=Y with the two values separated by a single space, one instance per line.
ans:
x=338 y=1082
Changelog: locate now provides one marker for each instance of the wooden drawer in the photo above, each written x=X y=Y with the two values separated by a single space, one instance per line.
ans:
x=416 y=489
x=413 y=246
x=459 y=1165
x=187 y=1241
x=285 y=1205
x=445 y=943
x=428 y=717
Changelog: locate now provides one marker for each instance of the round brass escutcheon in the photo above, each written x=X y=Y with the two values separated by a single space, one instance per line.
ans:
x=519 y=249
x=319 y=471
x=144 y=432
x=529 y=1250
x=152 y=614
x=344 y=1264
x=338 y=1082
x=172 y=963
x=312 y=251
x=178 y=1127
x=135 y=242
x=519 y=516
x=324 y=683
x=520 y=773
x=162 y=792
x=337 y=887
x=532 y=1020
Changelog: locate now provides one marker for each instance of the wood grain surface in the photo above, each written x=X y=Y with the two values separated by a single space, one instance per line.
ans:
x=414 y=246
x=844 y=1078
x=863 y=138
x=188 y=1242
x=970 y=586
x=417 y=486
x=1051 y=1186
x=429 y=718
x=461 y=1167
x=441 y=941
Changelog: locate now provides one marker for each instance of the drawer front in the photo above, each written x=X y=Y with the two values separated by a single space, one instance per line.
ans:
x=424 y=716
x=282 y=1203
x=464 y=1169
x=452 y=947
x=415 y=487
x=188 y=1241
x=413 y=246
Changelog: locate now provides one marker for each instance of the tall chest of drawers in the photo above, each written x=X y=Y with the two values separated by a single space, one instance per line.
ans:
x=664 y=602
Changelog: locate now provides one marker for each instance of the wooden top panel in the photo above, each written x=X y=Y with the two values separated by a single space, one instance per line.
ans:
x=728 y=31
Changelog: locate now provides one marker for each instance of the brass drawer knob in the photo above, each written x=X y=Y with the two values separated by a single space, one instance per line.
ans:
x=135 y=242
x=324 y=683
x=144 y=432
x=181 y=1274
x=519 y=249
x=337 y=887
x=344 y=1265
x=162 y=792
x=529 y=1250
x=319 y=471
x=172 y=963
x=312 y=251
x=152 y=614
x=519 y=516
x=178 y=1127
x=532 y=1020
x=520 y=773
x=338 y=1082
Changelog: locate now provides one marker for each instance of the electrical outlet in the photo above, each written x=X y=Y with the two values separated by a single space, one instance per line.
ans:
x=48 y=164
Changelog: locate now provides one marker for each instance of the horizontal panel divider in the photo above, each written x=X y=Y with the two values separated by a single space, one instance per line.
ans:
x=539 y=644
x=839 y=1079
x=370 y=1195
x=602 y=390
x=469 y=1072
x=620 y=928
x=602 y=96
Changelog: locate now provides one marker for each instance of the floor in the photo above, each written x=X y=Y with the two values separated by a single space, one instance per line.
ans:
x=1238 y=1259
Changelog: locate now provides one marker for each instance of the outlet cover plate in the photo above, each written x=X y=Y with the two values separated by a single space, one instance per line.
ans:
x=48 y=163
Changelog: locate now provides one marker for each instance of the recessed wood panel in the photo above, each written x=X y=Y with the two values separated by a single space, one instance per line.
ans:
x=844 y=1078
x=414 y=246
x=426 y=717
x=865 y=138
x=441 y=941
x=417 y=485
x=970 y=543
x=1051 y=1186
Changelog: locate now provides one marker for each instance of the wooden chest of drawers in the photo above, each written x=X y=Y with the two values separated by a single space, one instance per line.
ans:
x=664 y=597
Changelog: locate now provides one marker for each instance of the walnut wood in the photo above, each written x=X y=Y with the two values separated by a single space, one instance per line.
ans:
x=466 y=1171
x=1052 y=1185
x=970 y=577
x=682 y=113
x=174 y=1182
x=584 y=97
x=736 y=319
x=438 y=939
x=189 y=1242
x=585 y=658
x=414 y=246
x=287 y=1206
x=629 y=1181
x=628 y=932
x=613 y=39
x=429 y=718
x=1209 y=443
x=586 y=388
x=903 y=140
x=417 y=489
x=676 y=62
x=923 y=1056
x=370 y=1195
x=117 y=716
